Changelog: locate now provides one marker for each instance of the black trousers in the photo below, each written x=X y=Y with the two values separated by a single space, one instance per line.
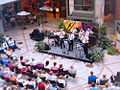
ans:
x=71 y=45
x=61 y=43
x=85 y=47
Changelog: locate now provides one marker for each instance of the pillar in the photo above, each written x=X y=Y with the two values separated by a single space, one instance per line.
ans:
x=117 y=11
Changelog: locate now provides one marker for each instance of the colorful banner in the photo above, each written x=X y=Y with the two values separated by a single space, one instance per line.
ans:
x=69 y=24
x=118 y=35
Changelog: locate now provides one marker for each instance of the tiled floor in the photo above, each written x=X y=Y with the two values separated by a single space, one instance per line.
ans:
x=108 y=67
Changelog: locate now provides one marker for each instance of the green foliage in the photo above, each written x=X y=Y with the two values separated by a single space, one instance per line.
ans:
x=1 y=39
x=40 y=46
x=97 y=55
x=104 y=42
x=60 y=26
x=111 y=51
x=40 y=15
x=102 y=29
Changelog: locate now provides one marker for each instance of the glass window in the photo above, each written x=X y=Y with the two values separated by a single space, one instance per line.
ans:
x=84 y=5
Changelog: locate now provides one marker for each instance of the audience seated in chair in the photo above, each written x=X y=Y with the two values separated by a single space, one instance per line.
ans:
x=3 y=60
x=103 y=80
x=93 y=86
x=13 y=78
x=115 y=86
x=12 y=44
x=107 y=87
x=1 y=72
x=41 y=86
x=62 y=83
x=47 y=66
x=91 y=78
x=72 y=72
x=54 y=68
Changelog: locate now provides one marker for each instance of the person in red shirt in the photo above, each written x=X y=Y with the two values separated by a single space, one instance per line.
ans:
x=41 y=86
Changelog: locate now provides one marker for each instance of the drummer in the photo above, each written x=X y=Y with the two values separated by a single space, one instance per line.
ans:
x=74 y=30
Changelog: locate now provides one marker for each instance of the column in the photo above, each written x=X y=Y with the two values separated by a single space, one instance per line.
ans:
x=117 y=11
x=1 y=23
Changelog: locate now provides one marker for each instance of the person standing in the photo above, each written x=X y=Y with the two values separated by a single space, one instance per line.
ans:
x=84 y=38
x=54 y=11
x=61 y=35
x=71 y=38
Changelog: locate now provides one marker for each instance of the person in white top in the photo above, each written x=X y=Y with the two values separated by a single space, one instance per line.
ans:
x=88 y=32
x=4 y=45
x=71 y=38
x=62 y=81
x=62 y=34
x=74 y=30
x=12 y=44
x=84 y=38
x=81 y=32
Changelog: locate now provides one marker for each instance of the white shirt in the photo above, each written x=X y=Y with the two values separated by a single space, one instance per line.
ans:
x=74 y=31
x=29 y=62
x=11 y=43
x=71 y=36
x=5 y=45
x=84 y=39
x=61 y=81
x=62 y=34
x=88 y=32
x=80 y=33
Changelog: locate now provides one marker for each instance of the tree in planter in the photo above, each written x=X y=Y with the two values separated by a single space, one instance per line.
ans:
x=39 y=17
x=102 y=29
x=104 y=42
x=60 y=26
x=97 y=55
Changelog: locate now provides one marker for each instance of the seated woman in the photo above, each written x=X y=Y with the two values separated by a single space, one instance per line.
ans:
x=22 y=68
x=62 y=82
x=54 y=68
x=52 y=77
x=3 y=60
x=10 y=53
x=11 y=66
x=13 y=78
x=61 y=70
x=40 y=65
x=28 y=62
x=4 y=45
x=47 y=66
x=6 y=75
x=29 y=71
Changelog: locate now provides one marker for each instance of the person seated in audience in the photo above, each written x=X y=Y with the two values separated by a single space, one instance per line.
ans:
x=72 y=72
x=33 y=63
x=28 y=62
x=29 y=71
x=10 y=53
x=53 y=87
x=31 y=82
x=47 y=85
x=12 y=44
x=91 y=78
x=21 y=59
x=47 y=66
x=1 y=71
x=35 y=73
x=41 y=75
x=62 y=81
x=54 y=67
x=13 y=78
x=3 y=60
x=93 y=86
x=51 y=77
x=22 y=68
x=6 y=75
x=61 y=70
x=115 y=86
x=41 y=86
x=4 y=45
x=113 y=78
x=6 y=37
x=11 y=66
x=40 y=65
x=107 y=87
x=102 y=80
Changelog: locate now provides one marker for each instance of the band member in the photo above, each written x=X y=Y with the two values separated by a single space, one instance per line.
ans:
x=74 y=30
x=71 y=38
x=62 y=34
x=56 y=37
x=84 y=38
x=81 y=32
x=89 y=32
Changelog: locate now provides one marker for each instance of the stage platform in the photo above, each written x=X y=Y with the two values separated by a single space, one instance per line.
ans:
x=75 y=54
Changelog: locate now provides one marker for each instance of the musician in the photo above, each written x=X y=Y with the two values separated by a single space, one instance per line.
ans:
x=84 y=38
x=74 y=30
x=61 y=36
x=89 y=32
x=71 y=38
x=56 y=37
x=81 y=32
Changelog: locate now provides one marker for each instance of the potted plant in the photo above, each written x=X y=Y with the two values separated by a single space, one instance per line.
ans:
x=111 y=51
x=104 y=42
x=97 y=55
x=40 y=46
x=60 y=26
x=39 y=17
